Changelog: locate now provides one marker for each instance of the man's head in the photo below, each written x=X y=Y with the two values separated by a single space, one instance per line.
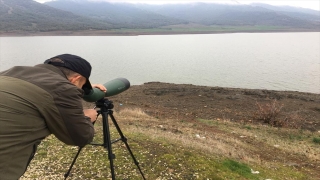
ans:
x=76 y=69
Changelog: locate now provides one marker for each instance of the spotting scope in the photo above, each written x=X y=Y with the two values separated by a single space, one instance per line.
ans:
x=113 y=87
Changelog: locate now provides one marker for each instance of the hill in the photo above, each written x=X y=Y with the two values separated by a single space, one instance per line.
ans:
x=232 y=15
x=121 y=15
x=83 y=17
x=28 y=15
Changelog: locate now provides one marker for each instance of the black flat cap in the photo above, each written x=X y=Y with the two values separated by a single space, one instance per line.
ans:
x=76 y=64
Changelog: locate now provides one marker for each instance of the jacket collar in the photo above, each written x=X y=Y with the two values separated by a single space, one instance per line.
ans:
x=52 y=68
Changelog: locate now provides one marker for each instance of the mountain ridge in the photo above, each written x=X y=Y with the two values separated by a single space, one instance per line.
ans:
x=74 y=16
x=27 y=15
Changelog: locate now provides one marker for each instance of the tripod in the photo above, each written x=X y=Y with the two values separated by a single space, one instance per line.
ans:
x=106 y=110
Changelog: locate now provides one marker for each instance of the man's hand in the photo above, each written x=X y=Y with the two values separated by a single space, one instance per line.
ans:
x=99 y=86
x=91 y=113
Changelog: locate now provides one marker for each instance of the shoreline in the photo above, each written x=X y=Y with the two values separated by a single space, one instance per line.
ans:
x=139 y=33
x=235 y=88
x=191 y=102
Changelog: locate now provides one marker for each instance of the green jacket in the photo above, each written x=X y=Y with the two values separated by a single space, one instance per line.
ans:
x=35 y=102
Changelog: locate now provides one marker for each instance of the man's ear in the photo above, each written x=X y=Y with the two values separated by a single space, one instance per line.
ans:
x=74 y=78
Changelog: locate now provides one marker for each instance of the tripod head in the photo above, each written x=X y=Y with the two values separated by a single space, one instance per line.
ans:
x=104 y=104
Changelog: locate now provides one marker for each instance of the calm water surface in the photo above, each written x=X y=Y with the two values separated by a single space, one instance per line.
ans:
x=275 y=61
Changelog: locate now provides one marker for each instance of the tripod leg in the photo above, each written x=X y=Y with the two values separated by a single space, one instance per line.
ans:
x=73 y=162
x=124 y=139
x=107 y=142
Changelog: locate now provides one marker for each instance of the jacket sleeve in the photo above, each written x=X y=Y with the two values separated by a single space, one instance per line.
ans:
x=69 y=123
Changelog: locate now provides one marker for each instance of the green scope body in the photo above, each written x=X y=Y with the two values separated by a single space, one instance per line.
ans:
x=113 y=87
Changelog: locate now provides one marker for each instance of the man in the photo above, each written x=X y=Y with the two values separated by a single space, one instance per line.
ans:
x=42 y=100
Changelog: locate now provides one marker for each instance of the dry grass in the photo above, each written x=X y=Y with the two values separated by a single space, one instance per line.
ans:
x=233 y=140
x=220 y=142
x=289 y=140
x=132 y=113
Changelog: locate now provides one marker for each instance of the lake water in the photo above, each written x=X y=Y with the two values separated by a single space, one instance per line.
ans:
x=274 y=61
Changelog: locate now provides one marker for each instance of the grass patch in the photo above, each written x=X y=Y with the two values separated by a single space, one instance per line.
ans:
x=239 y=168
x=316 y=140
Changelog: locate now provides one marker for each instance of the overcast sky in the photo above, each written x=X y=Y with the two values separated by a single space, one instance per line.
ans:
x=311 y=4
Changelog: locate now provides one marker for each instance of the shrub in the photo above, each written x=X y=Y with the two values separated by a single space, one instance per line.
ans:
x=268 y=112
x=294 y=120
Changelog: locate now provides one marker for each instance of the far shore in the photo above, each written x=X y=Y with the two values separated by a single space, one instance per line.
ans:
x=138 y=32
